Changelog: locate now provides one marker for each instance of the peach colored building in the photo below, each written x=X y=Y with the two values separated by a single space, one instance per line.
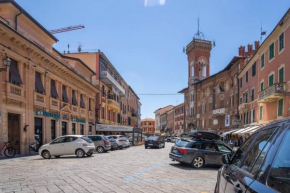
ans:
x=44 y=94
x=148 y=126
x=264 y=81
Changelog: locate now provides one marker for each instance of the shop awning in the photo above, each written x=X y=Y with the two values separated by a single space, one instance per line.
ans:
x=241 y=130
x=113 y=128
x=256 y=129
x=249 y=129
x=229 y=132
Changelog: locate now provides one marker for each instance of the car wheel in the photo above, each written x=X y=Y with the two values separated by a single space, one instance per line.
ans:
x=198 y=162
x=89 y=154
x=80 y=153
x=163 y=145
x=100 y=150
x=46 y=155
x=57 y=156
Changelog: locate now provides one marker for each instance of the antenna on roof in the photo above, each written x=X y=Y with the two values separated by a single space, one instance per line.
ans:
x=183 y=50
x=199 y=34
x=80 y=47
x=213 y=43
x=68 y=48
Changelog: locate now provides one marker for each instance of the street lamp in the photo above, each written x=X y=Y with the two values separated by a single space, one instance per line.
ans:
x=6 y=62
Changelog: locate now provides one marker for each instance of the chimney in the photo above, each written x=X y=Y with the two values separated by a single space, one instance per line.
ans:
x=257 y=44
x=250 y=49
x=242 y=51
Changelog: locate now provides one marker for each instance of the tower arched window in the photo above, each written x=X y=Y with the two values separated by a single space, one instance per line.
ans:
x=192 y=71
x=204 y=70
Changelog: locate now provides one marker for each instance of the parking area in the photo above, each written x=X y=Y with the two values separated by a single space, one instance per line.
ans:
x=135 y=169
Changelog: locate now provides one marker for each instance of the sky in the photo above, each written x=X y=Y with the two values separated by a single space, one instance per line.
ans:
x=144 y=39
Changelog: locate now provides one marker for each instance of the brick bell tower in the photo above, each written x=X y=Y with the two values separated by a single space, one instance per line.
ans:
x=198 y=55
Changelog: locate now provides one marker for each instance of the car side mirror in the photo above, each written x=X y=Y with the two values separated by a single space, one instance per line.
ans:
x=226 y=159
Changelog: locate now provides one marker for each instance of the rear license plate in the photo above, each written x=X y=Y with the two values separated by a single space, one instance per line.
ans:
x=150 y=144
x=174 y=151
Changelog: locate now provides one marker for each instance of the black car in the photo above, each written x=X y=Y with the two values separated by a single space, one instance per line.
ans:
x=155 y=141
x=261 y=164
x=203 y=149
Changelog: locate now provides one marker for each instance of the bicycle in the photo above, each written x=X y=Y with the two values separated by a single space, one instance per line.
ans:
x=9 y=151
x=33 y=148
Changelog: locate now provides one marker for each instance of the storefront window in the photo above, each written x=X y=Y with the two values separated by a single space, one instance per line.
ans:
x=64 y=128
x=82 y=129
x=53 y=131
x=73 y=128
x=90 y=130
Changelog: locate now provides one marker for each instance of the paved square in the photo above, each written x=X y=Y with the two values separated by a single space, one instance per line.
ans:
x=135 y=169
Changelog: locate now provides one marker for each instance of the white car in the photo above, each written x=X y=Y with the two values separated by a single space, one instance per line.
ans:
x=78 y=145
x=121 y=140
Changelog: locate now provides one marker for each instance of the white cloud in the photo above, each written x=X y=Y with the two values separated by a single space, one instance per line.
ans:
x=151 y=3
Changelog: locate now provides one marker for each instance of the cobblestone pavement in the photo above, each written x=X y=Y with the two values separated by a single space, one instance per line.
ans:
x=135 y=169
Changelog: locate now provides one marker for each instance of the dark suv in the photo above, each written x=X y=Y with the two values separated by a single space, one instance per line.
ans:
x=155 y=141
x=261 y=164
x=203 y=149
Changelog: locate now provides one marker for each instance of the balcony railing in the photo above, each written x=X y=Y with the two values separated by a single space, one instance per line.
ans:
x=243 y=107
x=13 y=91
x=110 y=80
x=83 y=113
x=91 y=114
x=273 y=93
x=54 y=104
x=221 y=111
x=39 y=99
x=74 y=109
x=113 y=103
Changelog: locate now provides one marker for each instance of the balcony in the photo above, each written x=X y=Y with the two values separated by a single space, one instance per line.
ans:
x=14 y=92
x=54 y=104
x=39 y=99
x=273 y=93
x=113 y=104
x=107 y=78
x=74 y=110
x=243 y=107
x=83 y=112
x=91 y=115
x=222 y=111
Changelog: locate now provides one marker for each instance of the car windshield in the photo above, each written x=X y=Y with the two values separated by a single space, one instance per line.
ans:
x=87 y=139
x=182 y=143
x=152 y=137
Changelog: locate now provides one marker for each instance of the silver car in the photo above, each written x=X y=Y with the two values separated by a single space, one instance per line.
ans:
x=121 y=140
x=101 y=142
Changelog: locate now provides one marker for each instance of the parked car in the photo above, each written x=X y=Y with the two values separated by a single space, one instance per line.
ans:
x=200 y=150
x=168 y=139
x=78 y=145
x=114 y=144
x=121 y=141
x=261 y=164
x=128 y=144
x=155 y=141
x=173 y=139
x=101 y=142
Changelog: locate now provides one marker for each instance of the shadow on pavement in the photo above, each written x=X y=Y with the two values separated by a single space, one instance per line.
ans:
x=188 y=167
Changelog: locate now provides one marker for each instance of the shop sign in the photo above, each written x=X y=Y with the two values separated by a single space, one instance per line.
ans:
x=78 y=120
x=227 y=120
x=47 y=114
x=215 y=121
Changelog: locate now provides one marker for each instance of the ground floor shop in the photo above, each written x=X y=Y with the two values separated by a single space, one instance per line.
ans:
x=23 y=127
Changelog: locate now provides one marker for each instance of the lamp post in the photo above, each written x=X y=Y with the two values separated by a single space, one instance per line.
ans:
x=6 y=62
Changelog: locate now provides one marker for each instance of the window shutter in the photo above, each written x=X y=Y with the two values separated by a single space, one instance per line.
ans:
x=262 y=86
x=82 y=102
x=14 y=76
x=38 y=83
x=280 y=107
x=64 y=94
x=271 y=80
x=262 y=61
x=261 y=113
x=281 y=75
x=53 y=91
x=74 y=100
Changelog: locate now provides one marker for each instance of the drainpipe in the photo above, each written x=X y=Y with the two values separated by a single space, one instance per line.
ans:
x=16 y=19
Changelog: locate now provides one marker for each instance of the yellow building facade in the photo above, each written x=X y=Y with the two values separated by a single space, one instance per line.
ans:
x=44 y=94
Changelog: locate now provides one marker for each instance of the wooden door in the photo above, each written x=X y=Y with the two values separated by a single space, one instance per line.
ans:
x=14 y=131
